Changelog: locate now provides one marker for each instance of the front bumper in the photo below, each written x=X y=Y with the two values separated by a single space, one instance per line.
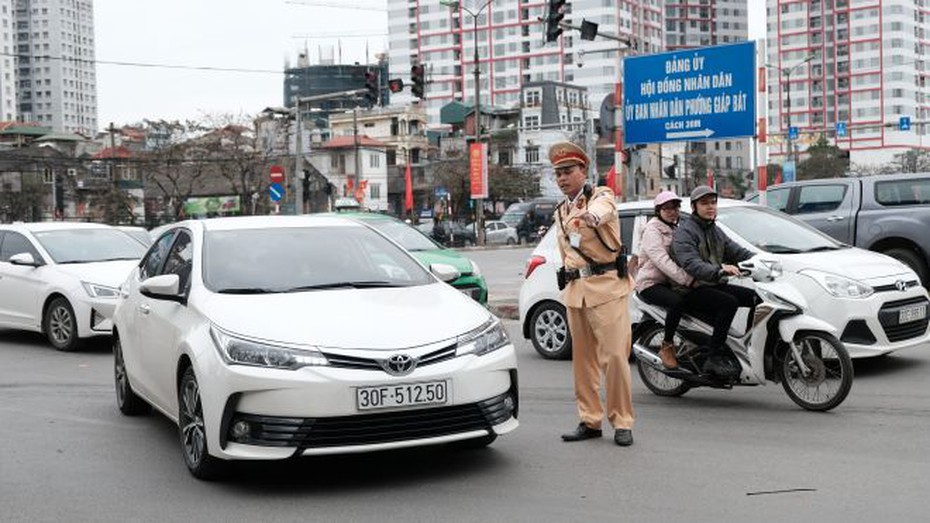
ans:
x=313 y=410
x=474 y=287
x=94 y=316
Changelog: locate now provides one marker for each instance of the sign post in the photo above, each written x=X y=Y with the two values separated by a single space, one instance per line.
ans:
x=694 y=94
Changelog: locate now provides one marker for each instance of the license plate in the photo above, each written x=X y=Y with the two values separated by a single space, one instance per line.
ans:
x=402 y=395
x=914 y=313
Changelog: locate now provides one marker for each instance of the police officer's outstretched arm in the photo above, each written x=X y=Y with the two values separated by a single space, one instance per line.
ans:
x=685 y=249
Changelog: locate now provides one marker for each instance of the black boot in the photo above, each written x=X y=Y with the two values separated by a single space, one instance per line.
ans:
x=582 y=432
x=716 y=365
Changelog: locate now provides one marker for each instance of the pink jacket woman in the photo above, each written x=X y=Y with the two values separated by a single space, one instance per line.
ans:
x=655 y=264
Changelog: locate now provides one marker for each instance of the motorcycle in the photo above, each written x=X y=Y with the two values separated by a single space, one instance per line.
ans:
x=783 y=343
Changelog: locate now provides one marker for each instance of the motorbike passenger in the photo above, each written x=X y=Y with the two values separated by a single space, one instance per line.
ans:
x=659 y=280
x=706 y=253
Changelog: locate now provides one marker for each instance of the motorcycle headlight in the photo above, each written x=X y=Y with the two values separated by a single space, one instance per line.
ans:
x=95 y=290
x=240 y=351
x=487 y=338
x=474 y=268
x=839 y=286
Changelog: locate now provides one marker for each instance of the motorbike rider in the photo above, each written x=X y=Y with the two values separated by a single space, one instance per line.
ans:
x=706 y=253
x=659 y=280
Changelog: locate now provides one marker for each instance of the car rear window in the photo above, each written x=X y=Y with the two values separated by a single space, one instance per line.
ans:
x=903 y=192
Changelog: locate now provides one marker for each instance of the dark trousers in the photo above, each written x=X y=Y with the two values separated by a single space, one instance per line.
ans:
x=717 y=305
x=664 y=296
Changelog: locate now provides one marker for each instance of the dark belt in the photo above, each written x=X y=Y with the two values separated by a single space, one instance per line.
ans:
x=589 y=270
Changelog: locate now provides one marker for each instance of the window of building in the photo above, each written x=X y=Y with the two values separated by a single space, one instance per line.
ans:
x=374 y=160
x=532 y=155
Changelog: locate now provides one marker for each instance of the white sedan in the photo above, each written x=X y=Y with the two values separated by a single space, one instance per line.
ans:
x=497 y=232
x=282 y=336
x=61 y=278
x=875 y=302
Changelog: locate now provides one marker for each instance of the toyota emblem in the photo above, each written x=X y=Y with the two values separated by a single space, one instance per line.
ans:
x=399 y=365
x=901 y=285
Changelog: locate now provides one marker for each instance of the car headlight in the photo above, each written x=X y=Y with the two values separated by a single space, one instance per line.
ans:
x=839 y=286
x=240 y=351
x=95 y=290
x=474 y=268
x=487 y=338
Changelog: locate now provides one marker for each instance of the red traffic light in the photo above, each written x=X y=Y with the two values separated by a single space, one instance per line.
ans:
x=396 y=85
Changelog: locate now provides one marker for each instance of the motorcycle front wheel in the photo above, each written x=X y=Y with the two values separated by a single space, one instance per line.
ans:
x=655 y=380
x=826 y=376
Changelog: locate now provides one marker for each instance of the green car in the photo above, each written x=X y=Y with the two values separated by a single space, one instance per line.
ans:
x=426 y=251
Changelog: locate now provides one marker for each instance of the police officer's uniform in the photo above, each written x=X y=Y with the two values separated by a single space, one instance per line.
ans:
x=596 y=299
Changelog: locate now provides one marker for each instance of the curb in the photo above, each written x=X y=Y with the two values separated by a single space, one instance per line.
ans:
x=507 y=310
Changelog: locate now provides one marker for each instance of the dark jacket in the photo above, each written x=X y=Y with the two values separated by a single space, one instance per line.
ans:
x=701 y=248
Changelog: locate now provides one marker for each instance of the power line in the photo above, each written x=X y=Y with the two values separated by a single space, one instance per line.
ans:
x=335 y=5
x=142 y=64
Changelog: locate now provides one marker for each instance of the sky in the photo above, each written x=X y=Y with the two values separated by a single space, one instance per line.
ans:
x=257 y=36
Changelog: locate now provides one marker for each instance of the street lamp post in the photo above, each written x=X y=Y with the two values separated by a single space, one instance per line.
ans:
x=479 y=202
x=787 y=72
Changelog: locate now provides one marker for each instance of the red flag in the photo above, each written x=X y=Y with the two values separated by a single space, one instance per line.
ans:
x=710 y=176
x=408 y=201
x=612 y=179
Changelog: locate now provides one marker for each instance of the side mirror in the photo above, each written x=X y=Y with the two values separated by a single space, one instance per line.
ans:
x=24 y=258
x=163 y=287
x=444 y=272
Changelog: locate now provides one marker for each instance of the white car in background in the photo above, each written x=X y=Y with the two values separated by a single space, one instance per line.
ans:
x=62 y=279
x=340 y=343
x=497 y=232
x=875 y=302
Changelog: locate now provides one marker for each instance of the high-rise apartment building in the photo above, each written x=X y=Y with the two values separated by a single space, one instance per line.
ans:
x=7 y=63
x=511 y=47
x=862 y=64
x=55 y=73
x=698 y=23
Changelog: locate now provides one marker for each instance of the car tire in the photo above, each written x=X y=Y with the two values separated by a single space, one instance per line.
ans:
x=549 y=331
x=193 y=432
x=128 y=402
x=510 y=241
x=912 y=260
x=60 y=325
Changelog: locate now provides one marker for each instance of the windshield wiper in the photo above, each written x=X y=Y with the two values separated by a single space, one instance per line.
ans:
x=823 y=248
x=779 y=249
x=96 y=261
x=247 y=290
x=344 y=284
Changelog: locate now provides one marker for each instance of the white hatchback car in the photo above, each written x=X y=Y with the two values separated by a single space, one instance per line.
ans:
x=62 y=279
x=875 y=302
x=281 y=336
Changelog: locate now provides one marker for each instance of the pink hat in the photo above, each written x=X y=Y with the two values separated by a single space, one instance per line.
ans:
x=665 y=197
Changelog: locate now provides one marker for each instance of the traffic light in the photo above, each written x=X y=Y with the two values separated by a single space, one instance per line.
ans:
x=626 y=156
x=396 y=85
x=417 y=77
x=372 y=87
x=670 y=170
x=555 y=15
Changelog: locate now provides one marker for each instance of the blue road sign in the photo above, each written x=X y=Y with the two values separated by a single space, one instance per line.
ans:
x=788 y=171
x=694 y=94
x=276 y=191
x=841 y=130
x=792 y=133
x=904 y=123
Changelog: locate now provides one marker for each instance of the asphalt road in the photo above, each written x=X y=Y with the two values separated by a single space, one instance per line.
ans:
x=68 y=455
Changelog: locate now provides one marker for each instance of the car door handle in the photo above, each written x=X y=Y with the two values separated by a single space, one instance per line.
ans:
x=144 y=309
x=835 y=218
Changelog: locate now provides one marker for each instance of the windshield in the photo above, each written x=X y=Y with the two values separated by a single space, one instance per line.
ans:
x=409 y=238
x=271 y=260
x=89 y=245
x=515 y=213
x=774 y=232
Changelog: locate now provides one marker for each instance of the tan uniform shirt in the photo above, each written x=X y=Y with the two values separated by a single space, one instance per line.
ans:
x=594 y=290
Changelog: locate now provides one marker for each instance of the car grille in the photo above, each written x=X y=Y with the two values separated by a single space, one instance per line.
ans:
x=369 y=429
x=893 y=287
x=471 y=291
x=888 y=318
x=355 y=362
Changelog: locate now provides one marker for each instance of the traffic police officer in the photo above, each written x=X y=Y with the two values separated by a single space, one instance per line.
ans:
x=595 y=293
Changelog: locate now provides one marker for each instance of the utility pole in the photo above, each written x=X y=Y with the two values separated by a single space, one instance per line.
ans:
x=299 y=163
x=479 y=202
x=358 y=160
